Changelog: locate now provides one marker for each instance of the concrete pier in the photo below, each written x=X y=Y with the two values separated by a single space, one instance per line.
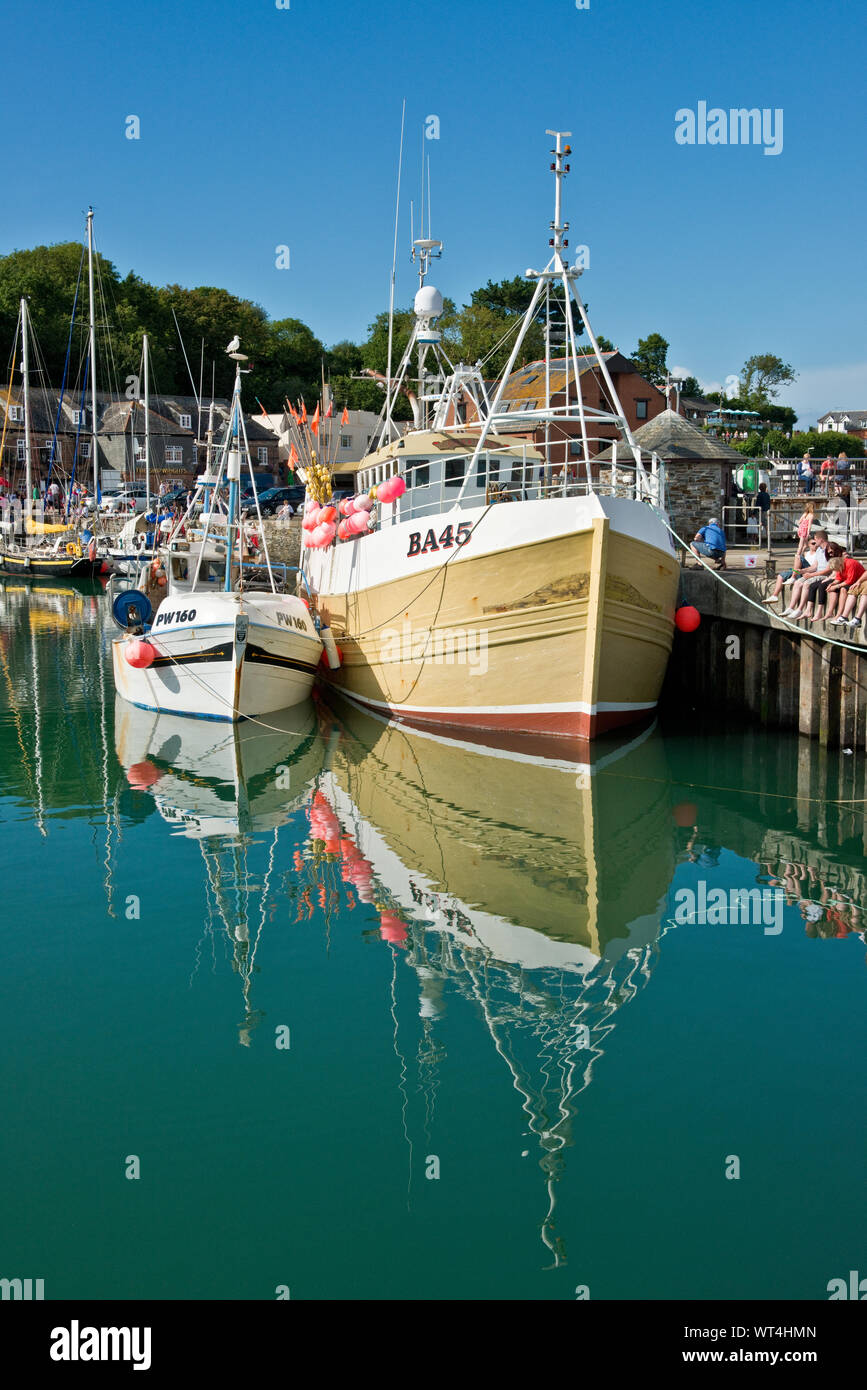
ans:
x=746 y=660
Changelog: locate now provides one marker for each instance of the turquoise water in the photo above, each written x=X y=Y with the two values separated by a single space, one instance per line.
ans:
x=505 y=1068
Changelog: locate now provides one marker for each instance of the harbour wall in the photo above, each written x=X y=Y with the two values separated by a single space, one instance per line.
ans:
x=744 y=660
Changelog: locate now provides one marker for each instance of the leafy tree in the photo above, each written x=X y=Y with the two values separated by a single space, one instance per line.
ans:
x=830 y=442
x=649 y=358
x=761 y=376
x=689 y=386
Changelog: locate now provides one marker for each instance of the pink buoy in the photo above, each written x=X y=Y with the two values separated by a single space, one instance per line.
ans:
x=138 y=653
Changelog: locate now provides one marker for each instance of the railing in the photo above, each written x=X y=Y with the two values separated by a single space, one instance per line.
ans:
x=504 y=476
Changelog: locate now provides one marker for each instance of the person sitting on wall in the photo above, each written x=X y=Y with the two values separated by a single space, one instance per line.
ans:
x=803 y=561
x=710 y=541
x=855 y=604
x=814 y=596
x=838 y=590
x=825 y=549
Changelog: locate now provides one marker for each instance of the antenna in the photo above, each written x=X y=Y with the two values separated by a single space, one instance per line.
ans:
x=393 y=272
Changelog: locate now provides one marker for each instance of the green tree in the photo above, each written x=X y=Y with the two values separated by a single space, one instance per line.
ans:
x=761 y=377
x=649 y=358
x=689 y=386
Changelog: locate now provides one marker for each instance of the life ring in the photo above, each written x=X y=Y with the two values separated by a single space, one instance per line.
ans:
x=73 y=548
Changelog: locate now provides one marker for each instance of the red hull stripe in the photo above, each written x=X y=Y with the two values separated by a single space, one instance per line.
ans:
x=559 y=724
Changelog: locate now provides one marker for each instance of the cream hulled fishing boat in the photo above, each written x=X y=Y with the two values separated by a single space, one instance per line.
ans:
x=226 y=641
x=551 y=615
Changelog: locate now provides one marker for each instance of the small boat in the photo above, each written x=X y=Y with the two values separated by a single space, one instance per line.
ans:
x=215 y=635
x=31 y=548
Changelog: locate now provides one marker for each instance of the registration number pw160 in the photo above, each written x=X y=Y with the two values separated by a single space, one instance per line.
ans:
x=184 y=615
x=444 y=541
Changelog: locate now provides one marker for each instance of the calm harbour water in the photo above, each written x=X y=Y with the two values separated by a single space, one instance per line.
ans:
x=384 y=1018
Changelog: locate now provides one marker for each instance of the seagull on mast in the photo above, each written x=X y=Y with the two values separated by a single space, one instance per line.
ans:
x=234 y=344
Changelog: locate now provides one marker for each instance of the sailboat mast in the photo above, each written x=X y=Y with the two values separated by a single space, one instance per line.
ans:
x=25 y=372
x=147 y=430
x=92 y=352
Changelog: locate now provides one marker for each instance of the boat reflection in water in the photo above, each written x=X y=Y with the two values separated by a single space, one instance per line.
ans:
x=480 y=868
x=227 y=787
x=488 y=870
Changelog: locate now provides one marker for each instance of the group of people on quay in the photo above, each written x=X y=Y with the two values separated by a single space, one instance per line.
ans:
x=830 y=471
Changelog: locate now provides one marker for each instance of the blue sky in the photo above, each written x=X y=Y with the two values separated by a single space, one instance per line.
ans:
x=262 y=126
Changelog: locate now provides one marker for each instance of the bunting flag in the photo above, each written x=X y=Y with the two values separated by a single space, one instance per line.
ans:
x=344 y=419
x=314 y=423
x=330 y=411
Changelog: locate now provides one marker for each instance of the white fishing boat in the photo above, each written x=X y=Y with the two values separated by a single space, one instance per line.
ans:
x=552 y=615
x=215 y=635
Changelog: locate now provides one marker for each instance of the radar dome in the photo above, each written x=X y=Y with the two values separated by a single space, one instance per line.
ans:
x=429 y=302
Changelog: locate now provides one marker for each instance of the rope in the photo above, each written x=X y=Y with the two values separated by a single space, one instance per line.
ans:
x=437 y=571
x=761 y=607
x=738 y=791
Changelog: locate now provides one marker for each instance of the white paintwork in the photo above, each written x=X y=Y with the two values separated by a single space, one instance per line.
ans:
x=280 y=624
x=381 y=557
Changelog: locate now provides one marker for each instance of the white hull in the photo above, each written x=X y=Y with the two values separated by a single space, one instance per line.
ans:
x=223 y=656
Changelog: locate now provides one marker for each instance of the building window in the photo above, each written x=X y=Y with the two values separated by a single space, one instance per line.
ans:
x=262 y=454
x=174 y=454
x=345 y=441
x=455 y=470
x=21 y=450
x=186 y=422
x=16 y=414
x=641 y=410
x=85 y=450
x=78 y=417
x=574 y=448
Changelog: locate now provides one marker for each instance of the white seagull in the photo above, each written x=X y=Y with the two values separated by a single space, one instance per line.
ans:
x=234 y=344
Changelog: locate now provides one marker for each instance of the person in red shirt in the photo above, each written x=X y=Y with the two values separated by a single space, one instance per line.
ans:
x=838 y=590
x=826 y=473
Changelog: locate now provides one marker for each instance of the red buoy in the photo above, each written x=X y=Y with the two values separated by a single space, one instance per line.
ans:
x=687 y=618
x=138 y=653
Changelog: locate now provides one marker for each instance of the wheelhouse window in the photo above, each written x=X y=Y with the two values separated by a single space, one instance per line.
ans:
x=418 y=475
x=487 y=466
x=455 y=472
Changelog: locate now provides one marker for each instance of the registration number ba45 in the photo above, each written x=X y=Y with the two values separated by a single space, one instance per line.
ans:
x=448 y=538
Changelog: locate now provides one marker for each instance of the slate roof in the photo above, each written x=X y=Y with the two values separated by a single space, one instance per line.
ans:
x=675 y=439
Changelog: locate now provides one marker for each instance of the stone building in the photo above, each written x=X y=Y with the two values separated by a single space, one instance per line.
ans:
x=698 y=468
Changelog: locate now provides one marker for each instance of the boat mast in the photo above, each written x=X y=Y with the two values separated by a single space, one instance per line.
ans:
x=92 y=352
x=25 y=372
x=147 y=429
x=233 y=473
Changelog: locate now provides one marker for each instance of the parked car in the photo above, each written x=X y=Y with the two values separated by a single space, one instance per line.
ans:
x=273 y=498
x=131 y=499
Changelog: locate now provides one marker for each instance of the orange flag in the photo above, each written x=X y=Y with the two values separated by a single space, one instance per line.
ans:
x=303 y=412
x=330 y=411
x=344 y=419
x=314 y=423
x=293 y=456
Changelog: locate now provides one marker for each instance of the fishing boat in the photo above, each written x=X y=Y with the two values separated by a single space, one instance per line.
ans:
x=550 y=615
x=215 y=635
